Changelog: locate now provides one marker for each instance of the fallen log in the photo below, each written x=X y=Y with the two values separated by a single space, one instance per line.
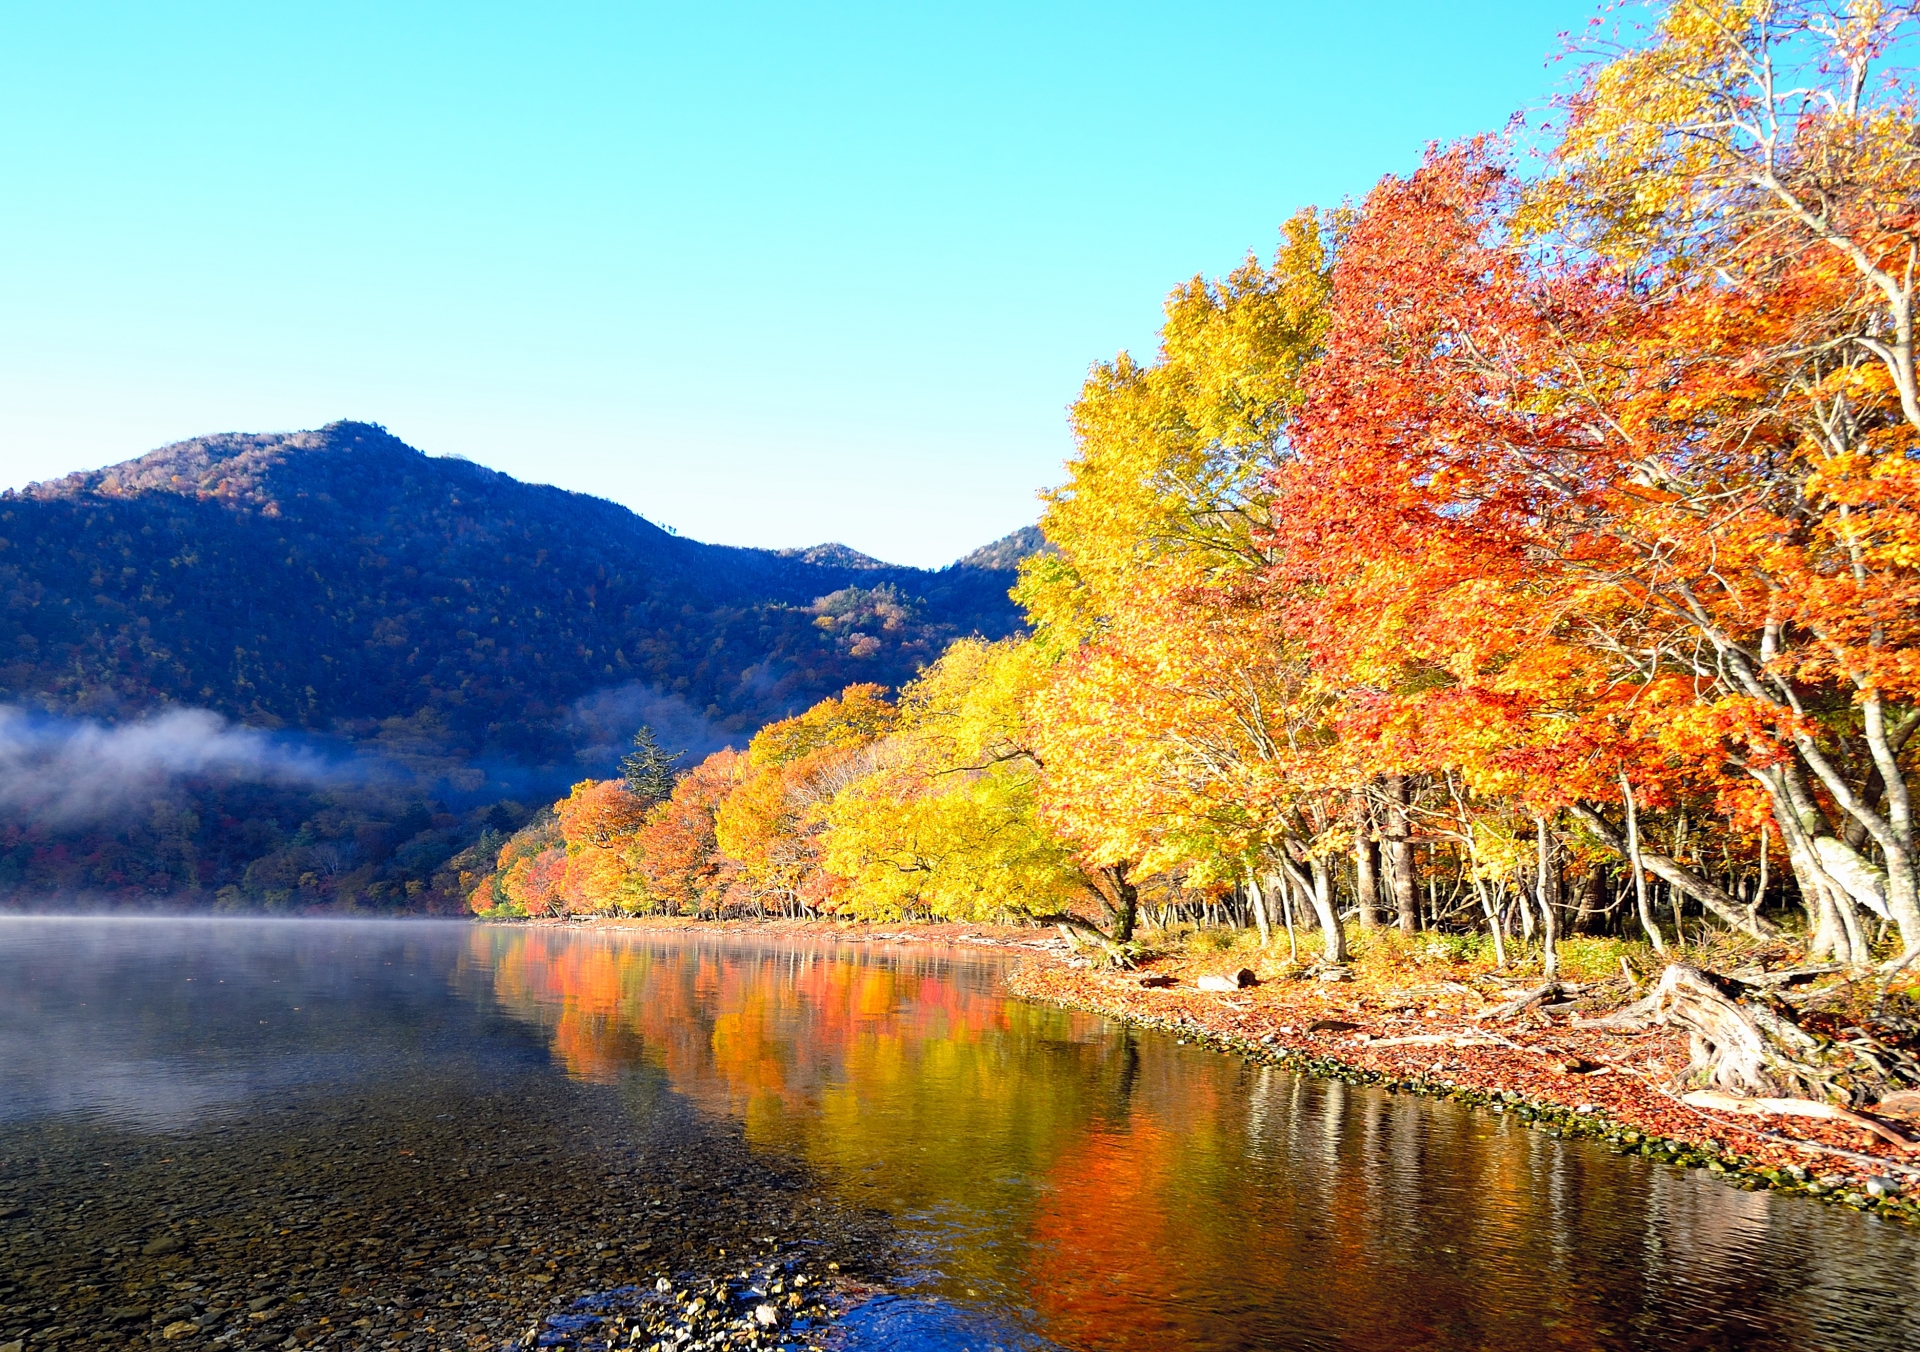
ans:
x=1791 y=1107
x=1439 y=1040
x=1852 y=1156
x=1902 y=1103
x=1635 y=1017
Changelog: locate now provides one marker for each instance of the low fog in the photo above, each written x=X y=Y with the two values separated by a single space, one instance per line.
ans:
x=77 y=771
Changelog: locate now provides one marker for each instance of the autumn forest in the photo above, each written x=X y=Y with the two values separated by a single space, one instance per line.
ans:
x=1527 y=548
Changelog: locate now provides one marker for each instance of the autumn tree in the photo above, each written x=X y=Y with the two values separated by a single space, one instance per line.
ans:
x=944 y=823
x=1174 y=731
x=598 y=822
x=679 y=856
x=771 y=821
x=1753 y=169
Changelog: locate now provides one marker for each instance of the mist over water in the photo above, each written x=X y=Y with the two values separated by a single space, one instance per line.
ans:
x=65 y=772
x=1054 y=1179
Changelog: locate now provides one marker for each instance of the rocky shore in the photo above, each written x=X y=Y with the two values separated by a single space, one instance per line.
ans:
x=442 y=1214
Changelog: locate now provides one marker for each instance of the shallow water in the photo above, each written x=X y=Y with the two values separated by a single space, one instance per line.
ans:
x=1034 y=1177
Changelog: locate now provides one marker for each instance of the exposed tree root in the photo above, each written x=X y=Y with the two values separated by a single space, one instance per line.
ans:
x=1748 y=1045
x=1076 y=931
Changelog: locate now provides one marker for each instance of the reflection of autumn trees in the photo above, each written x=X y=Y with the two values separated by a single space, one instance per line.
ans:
x=1125 y=1191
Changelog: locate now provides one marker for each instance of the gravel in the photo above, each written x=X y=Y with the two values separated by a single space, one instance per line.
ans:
x=440 y=1213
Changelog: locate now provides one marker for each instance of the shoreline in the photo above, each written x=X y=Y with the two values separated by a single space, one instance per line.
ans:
x=1521 y=1069
x=1611 y=1094
x=1020 y=938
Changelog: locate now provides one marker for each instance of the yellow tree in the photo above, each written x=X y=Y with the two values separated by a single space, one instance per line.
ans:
x=1165 y=731
x=1192 y=736
x=944 y=822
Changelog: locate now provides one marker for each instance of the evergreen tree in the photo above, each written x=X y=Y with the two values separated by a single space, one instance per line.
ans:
x=647 y=769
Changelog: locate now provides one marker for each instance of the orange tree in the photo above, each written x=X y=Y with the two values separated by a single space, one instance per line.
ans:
x=770 y=822
x=598 y=822
x=679 y=856
x=1753 y=168
x=1624 y=457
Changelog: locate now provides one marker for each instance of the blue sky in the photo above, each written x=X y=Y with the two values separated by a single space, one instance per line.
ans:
x=769 y=274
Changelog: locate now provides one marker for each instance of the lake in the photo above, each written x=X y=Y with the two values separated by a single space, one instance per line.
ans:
x=394 y=1134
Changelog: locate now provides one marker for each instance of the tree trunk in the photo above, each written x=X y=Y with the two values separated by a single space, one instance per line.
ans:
x=1493 y=924
x=1707 y=894
x=1279 y=881
x=1634 y=862
x=1259 y=904
x=1833 y=877
x=1366 y=863
x=1334 y=946
x=1397 y=829
x=1126 y=903
x=1593 y=889
x=1549 y=939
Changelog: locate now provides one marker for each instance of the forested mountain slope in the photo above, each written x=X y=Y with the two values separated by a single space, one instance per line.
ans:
x=326 y=579
x=446 y=641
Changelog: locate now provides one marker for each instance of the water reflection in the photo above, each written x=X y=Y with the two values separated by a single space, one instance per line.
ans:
x=160 y=1024
x=1063 y=1179
x=1107 y=1188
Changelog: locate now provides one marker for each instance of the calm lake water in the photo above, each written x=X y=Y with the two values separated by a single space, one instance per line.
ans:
x=1048 y=1179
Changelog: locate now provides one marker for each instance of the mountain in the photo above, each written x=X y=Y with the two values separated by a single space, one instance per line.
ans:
x=480 y=640
x=325 y=580
x=1006 y=554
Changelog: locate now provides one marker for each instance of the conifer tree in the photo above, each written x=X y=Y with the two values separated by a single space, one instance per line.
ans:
x=648 y=769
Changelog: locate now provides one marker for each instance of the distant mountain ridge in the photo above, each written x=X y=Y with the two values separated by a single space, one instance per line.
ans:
x=332 y=579
x=1007 y=553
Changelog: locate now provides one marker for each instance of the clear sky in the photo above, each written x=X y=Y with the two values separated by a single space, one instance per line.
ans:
x=769 y=274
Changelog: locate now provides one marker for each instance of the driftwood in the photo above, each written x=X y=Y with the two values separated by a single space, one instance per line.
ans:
x=1902 y=1103
x=1785 y=976
x=1236 y=981
x=1439 y=1040
x=1525 y=1000
x=1793 y=1107
x=1635 y=1017
x=1879 y=1162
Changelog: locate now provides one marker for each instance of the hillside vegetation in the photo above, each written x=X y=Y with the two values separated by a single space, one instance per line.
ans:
x=485 y=637
x=328 y=579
